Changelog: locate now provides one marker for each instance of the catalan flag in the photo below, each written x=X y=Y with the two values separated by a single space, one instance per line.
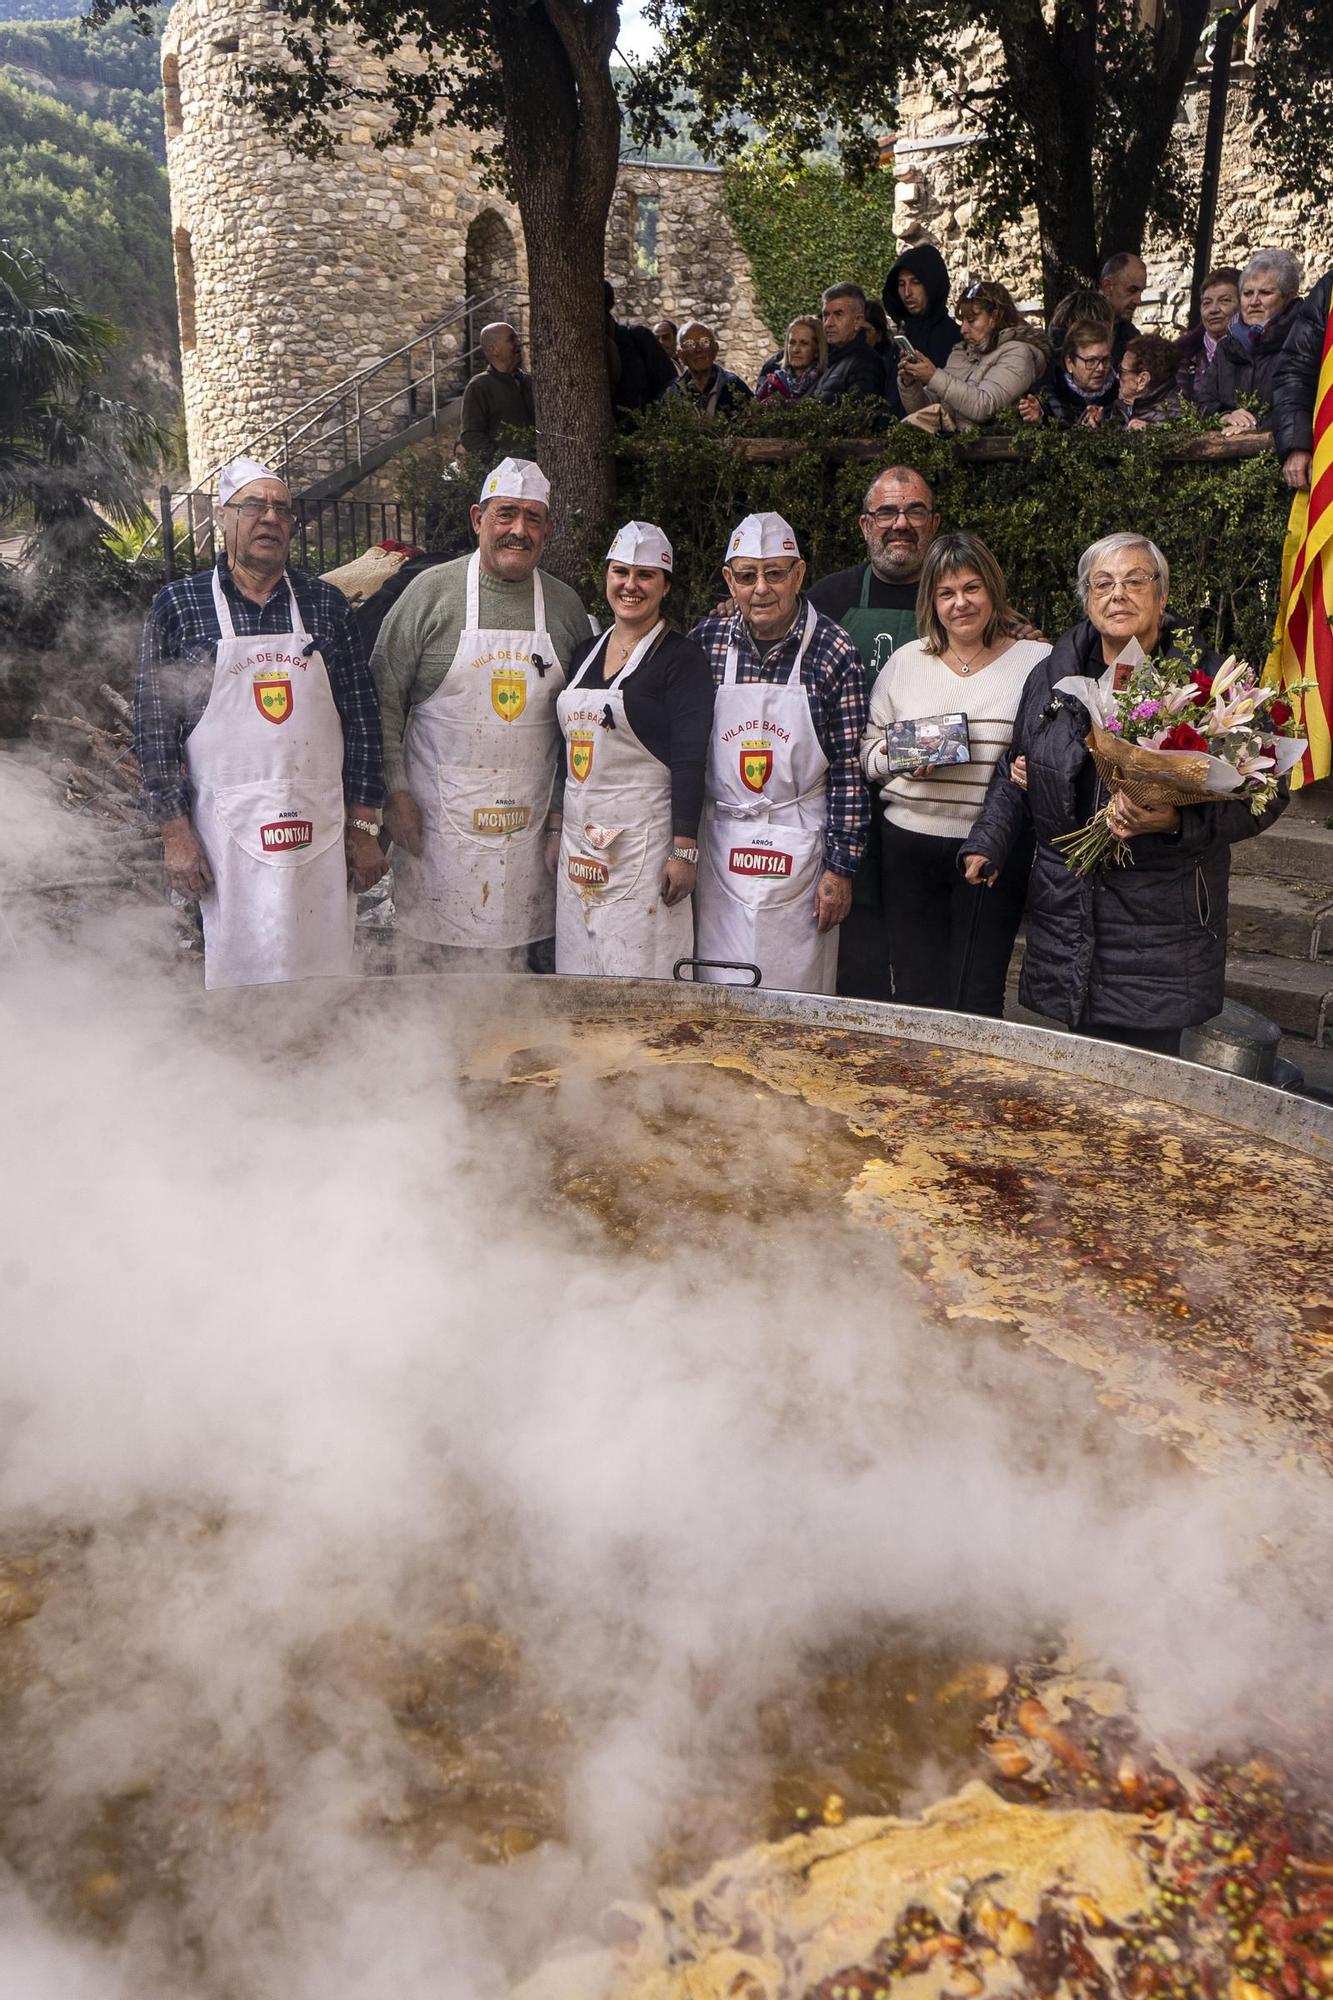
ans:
x=1303 y=641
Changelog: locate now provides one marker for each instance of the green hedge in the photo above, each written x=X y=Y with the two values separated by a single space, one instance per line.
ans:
x=802 y=232
x=1220 y=525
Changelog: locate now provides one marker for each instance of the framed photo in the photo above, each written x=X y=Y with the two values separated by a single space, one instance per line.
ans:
x=931 y=740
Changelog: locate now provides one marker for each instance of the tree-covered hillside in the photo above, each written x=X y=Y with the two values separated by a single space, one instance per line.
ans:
x=94 y=206
x=40 y=10
x=112 y=73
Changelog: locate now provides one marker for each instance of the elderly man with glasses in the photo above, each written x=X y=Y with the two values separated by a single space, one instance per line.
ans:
x=257 y=730
x=786 y=810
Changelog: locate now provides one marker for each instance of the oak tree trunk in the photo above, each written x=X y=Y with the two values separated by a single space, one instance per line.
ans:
x=562 y=135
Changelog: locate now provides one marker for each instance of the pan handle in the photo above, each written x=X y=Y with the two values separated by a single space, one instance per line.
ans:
x=715 y=965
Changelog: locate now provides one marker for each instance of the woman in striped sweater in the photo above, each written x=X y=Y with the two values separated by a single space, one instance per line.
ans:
x=963 y=664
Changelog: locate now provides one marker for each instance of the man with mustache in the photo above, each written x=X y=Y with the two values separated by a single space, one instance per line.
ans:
x=257 y=735
x=468 y=664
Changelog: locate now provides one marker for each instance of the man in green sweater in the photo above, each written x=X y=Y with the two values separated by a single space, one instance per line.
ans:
x=498 y=402
x=468 y=664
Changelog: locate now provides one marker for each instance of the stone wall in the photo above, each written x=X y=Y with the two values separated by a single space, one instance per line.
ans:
x=934 y=201
x=292 y=274
x=690 y=265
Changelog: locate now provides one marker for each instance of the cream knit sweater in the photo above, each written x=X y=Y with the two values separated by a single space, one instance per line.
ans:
x=913 y=684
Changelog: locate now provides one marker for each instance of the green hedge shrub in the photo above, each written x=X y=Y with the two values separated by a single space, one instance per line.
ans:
x=1220 y=525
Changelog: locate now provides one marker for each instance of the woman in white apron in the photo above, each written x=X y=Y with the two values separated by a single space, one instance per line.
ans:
x=478 y=756
x=634 y=724
x=265 y=767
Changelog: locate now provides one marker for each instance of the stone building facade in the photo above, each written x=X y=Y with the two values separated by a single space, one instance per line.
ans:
x=671 y=249
x=934 y=197
x=293 y=274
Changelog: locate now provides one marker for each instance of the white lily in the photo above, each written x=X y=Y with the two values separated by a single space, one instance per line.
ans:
x=1227 y=675
x=1229 y=715
x=1250 y=766
x=1180 y=698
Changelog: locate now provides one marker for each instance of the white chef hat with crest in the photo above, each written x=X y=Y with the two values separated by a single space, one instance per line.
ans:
x=765 y=536
x=643 y=545
x=516 y=479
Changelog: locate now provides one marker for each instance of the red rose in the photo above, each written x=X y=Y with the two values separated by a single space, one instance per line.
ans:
x=1202 y=681
x=1183 y=737
x=1279 y=713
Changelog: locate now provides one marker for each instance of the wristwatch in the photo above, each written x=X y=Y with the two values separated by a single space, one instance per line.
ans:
x=365 y=826
x=690 y=854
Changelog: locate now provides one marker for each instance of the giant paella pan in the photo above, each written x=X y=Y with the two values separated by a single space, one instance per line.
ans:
x=809 y=1500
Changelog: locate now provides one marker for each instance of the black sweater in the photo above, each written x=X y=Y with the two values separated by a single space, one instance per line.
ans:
x=669 y=706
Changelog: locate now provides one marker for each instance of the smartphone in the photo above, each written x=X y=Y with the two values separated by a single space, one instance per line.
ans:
x=904 y=346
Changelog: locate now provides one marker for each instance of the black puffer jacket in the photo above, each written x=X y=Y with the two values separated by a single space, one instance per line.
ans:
x=1239 y=368
x=1135 y=947
x=1296 y=377
x=854 y=369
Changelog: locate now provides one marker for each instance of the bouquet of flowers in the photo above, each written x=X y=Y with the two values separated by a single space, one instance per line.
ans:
x=1166 y=732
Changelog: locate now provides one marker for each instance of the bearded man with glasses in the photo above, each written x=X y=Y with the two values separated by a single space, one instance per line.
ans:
x=786 y=810
x=257 y=730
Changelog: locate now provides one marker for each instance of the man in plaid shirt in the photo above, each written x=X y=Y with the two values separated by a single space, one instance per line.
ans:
x=766 y=624
x=770 y=626
x=175 y=677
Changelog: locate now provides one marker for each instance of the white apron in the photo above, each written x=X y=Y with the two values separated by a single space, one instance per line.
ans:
x=762 y=848
x=480 y=758
x=616 y=837
x=265 y=767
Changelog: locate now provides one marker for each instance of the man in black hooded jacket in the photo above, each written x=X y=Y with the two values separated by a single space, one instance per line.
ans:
x=1296 y=382
x=916 y=298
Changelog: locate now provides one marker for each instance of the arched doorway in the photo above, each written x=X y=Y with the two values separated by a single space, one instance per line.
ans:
x=490 y=274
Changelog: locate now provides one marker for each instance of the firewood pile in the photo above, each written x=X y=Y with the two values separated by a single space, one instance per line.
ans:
x=97 y=774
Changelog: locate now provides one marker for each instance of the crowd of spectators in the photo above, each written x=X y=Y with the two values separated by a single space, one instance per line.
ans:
x=945 y=365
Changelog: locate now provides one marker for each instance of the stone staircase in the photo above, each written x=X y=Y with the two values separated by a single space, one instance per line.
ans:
x=1280 y=957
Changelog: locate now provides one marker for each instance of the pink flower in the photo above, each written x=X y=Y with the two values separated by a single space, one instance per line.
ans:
x=1144 y=711
x=1113 y=724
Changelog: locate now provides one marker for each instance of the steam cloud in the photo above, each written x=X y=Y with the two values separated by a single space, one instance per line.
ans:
x=299 y=1334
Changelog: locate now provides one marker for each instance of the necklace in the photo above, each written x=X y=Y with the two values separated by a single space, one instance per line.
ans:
x=966 y=666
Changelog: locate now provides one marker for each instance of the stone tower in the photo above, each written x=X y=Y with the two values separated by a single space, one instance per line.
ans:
x=292 y=273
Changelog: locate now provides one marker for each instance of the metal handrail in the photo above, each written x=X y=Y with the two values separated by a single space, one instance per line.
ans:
x=328 y=407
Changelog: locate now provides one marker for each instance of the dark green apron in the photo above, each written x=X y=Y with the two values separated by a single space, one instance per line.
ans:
x=863 y=952
x=876 y=634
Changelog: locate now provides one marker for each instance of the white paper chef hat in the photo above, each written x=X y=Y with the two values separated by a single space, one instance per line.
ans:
x=242 y=472
x=517 y=479
x=763 y=535
x=642 y=544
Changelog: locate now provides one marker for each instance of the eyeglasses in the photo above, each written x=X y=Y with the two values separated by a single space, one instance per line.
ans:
x=770 y=573
x=916 y=514
x=1106 y=586
x=1097 y=361
x=254 y=510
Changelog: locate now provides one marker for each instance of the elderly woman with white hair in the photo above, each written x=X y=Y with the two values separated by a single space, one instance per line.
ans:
x=1133 y=954
x=1245 y=359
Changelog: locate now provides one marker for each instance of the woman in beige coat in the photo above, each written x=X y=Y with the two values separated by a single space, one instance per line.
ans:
x=997 y=361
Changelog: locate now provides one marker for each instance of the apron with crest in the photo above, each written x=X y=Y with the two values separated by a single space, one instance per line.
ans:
x=616 y=836
x=762 y=845
x=480 y=758
x=264 y=763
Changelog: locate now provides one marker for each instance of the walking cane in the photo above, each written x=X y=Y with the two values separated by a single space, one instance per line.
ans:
x=973 y=924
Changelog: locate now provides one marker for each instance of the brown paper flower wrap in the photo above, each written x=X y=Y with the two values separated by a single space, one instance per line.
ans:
x=1149 y=778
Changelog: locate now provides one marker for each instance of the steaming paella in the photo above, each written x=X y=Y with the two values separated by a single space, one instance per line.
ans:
x=964 y=1803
